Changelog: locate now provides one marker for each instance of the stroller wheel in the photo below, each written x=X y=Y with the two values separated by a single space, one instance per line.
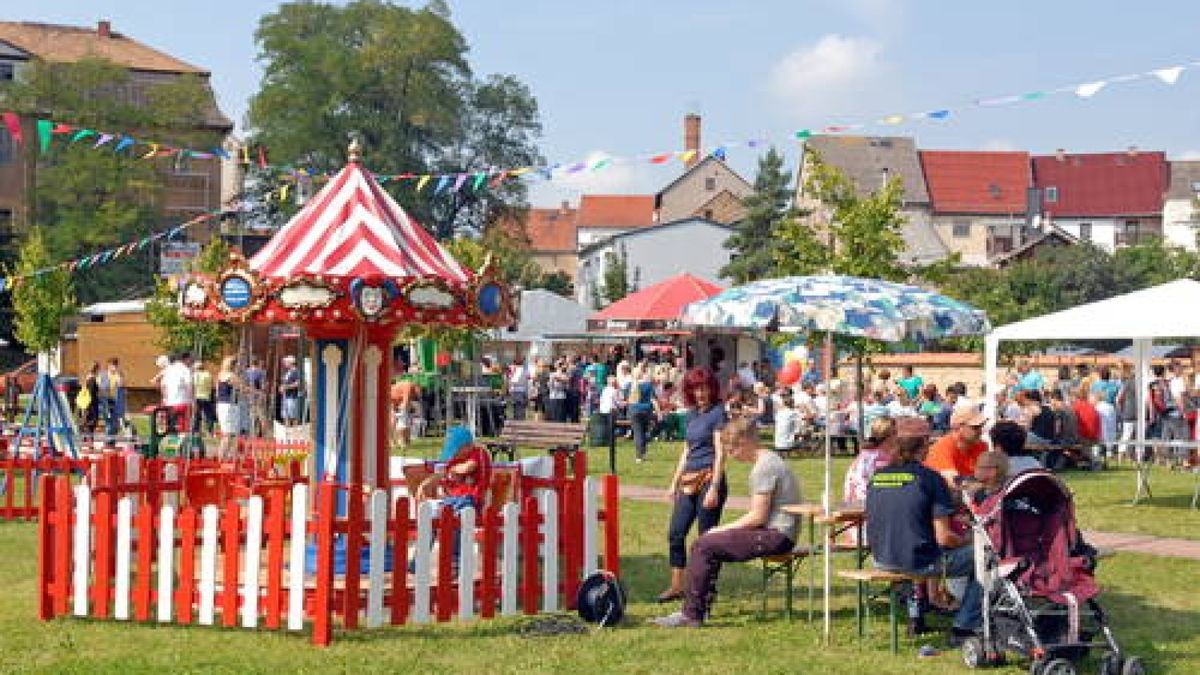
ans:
x=1110 y=664
x=972 y=653
x=1133 y=666
x=1058 y=667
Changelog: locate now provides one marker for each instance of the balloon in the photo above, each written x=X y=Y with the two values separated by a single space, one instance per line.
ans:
x=443 y=359
x=789 y=374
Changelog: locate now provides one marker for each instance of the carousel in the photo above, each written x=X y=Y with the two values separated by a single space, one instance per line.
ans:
x=351 y=269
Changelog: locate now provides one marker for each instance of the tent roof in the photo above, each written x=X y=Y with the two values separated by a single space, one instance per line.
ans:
x=353 y=228
x=661 y=302
x=543 y=313
x=1156 y=312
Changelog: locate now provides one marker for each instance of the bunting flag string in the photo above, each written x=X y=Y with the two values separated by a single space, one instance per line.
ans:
x=475 y=180
x=109 y=255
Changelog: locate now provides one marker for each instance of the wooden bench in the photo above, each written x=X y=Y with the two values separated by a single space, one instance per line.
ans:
x=864 y=578
x=784 y=564
x=546 y=436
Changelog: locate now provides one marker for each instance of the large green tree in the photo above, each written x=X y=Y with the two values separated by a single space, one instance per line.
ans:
x=860 y=235
x=399 y=78
x=767 y=209
x=89 y=199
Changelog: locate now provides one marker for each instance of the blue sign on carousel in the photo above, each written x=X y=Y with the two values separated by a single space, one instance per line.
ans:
x=235 y=292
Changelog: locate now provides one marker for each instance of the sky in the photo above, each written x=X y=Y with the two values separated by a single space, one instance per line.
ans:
x=615 y=78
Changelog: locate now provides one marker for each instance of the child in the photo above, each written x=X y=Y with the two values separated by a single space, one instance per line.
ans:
x=764 y=530
x=787 y=424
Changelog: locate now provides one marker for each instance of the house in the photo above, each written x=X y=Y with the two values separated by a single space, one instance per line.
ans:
x=550 y=234
x=192 y=187
x=1181 y=214
x=653 y=254
x=603 y=216
x=708 y=189
x=1050 y=237
x=1111 y=199
x=978 y=201
x=869 y=162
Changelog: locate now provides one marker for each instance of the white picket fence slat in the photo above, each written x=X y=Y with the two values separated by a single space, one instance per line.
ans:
x=82 y=548
x=124 y=541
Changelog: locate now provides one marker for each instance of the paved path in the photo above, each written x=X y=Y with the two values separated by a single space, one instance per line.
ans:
x=1114 y=541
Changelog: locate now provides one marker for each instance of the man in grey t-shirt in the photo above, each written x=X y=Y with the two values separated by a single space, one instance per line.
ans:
x=764 y=530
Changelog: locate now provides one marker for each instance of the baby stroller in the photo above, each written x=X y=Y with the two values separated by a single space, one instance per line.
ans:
x=1038 y=583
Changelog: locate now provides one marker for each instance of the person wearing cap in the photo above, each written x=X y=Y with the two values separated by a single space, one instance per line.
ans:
x=908 y=529
x=953 y=455
x=461 y=482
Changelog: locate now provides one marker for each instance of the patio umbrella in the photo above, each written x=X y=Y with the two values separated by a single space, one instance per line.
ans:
x=837 y=305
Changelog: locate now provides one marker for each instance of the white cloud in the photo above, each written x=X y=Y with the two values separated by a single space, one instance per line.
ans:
x=828 y=77
x=1188 y=156
x=998 y=145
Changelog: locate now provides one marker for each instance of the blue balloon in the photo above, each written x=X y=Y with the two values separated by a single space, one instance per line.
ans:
x=490 y=300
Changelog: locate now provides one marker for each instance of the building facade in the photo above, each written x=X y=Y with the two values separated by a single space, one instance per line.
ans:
x=1181 y=211
x=653 y=254
x=978 y=201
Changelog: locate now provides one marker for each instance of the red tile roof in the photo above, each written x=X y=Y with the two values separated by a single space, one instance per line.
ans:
x=623 y=211
x=976 y=182
x=1103 y=184
x=547 y=230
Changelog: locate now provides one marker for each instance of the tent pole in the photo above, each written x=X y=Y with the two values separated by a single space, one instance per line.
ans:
x=1142 y=350
x=858 y=395
x=827 y=497
x=991 y=384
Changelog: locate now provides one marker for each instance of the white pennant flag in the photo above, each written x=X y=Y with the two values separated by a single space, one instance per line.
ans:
x=1090 y=89
x=1169 y=75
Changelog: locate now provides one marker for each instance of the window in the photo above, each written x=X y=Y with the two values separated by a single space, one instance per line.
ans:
x=6 y=229
x=708 y=214
x=6 y=146
x=1085 y=231
x=1132 y=232
x=710 y=183
x=1196 y=186
x=962 y=229
x=8 y=71
x=1052 y=194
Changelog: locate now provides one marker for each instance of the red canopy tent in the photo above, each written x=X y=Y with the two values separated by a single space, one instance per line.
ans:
x=654 y=308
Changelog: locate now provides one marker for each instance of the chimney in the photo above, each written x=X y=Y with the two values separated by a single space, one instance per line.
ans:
x=1060 y=154
x=691 y=137
x=1132 y=151
x=566 y=207
x=104 y=28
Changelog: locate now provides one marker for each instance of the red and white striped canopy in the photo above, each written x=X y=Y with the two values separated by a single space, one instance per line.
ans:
x=353 y=228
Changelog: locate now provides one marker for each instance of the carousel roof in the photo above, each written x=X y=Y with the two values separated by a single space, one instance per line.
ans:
x=353 y=228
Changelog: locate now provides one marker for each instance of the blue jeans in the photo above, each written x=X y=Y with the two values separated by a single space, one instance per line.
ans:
x=957 y=562
x=459 y=503
x=641 y=422
x=689 y=509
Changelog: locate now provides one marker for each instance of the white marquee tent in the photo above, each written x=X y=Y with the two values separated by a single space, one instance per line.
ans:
x=1171 y=310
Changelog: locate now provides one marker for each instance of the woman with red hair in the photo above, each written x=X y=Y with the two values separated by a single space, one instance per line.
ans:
x=697 y=489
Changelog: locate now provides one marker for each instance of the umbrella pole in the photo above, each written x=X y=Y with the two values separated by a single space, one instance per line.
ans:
x=827 y=498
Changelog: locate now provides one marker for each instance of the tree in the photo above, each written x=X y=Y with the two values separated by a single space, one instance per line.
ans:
x=86 y=199
x=861 y=236
x=178 y=334
x=616 y=283
x=400 y=79
x=42 y=298
x=767 y=209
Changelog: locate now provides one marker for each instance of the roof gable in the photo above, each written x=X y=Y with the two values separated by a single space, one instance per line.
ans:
x=546 y=229
x=864 y=160
x=976 y=182
x=652 y=229
x=1185 y=178
x=67 y=44
x=618 y=211
x=708 y=161
x=1102 y=184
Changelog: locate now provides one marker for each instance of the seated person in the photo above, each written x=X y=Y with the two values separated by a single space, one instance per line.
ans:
x=953 y=455
x=764 y=530
x=1087 y=420
x=1066 y=425
x=908 y=528
x=1042 y=425
x=764 y=405
x=463 y=481
x=881 y=441
x=1009 y=438
x=991 y=471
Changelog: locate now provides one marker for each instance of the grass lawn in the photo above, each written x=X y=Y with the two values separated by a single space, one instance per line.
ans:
x=1153 y=613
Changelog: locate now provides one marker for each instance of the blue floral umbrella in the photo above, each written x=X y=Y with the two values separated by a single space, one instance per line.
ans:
x=852 y=306
x=838 y=305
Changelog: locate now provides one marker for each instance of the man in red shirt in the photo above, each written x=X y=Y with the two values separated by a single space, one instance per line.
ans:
x=954 y=454
x=1086 y=418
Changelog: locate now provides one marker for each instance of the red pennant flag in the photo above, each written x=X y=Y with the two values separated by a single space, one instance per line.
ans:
x=63 y=129
x=13 y=124
x=262 y=157
x=662 y=159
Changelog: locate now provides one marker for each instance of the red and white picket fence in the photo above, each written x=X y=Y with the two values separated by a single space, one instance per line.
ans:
x=105 y=554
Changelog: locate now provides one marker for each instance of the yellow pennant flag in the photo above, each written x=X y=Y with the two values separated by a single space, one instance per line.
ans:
x=520 y=171
x=283 y=192
x=893 y=119
x=153 y=151
x=687 y=156
x=422 y=182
